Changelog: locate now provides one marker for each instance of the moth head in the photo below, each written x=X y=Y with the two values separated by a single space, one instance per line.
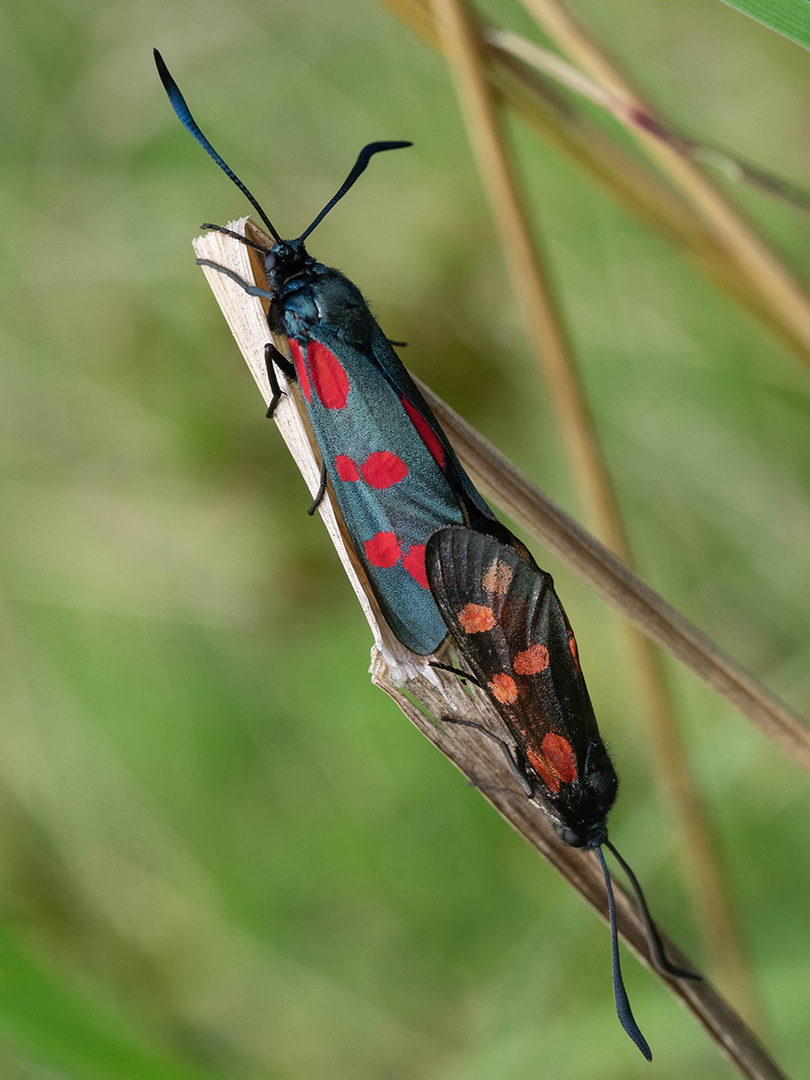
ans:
x=178 y=103
x=286 y=260
x=583 y=835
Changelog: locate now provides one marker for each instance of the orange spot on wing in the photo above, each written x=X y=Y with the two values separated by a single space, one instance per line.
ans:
x=497 y=577
x=542 y=769
x=503 y=688
x=532 y=660
x=475 y=618
x=560 y=757
x=572 y=645
x=557 y=763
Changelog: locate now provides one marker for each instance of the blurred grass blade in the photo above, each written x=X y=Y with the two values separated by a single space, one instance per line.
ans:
x=734 y=167
x=632 y=183
x=73 y=1032
x=790 y=18
x=540 y=309
x=767 y=275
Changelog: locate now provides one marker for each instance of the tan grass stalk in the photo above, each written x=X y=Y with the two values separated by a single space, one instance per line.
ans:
x=531 y=283
x=553 y=65
x=626 y=179
x=467 y=58
x=440 y=694
x=766 y=273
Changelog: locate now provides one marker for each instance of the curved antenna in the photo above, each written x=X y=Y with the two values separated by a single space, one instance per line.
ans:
x=623 y=1010
x=237 y=236
x=359 y=167
x=663 y=966
x=178 y=103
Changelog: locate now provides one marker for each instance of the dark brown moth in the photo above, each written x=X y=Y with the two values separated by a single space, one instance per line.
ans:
x=510 y=627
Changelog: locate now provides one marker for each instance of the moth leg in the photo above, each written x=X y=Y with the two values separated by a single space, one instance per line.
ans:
x=456 y=671
x=251 y=290
x=399 y=344
x=319 y=494
x=517 y=769
x=274 y=359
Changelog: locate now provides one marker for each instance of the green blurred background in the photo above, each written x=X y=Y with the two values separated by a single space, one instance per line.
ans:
x=223 y=854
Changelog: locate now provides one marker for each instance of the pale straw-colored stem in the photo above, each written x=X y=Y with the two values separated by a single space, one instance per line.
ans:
x=767 y=274
x=706 y=876
x=564 y=73
x=546 y=332
x=542 y=319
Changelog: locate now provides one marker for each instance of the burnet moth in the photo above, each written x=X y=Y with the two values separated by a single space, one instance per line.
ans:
x=399 y=485
x=512 y=631
x=392 y=469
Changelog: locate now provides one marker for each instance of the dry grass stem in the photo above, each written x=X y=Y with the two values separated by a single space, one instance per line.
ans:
x=439 y=693
x=551 y=64
x=545 y=329
x=705 y=876
x=626 y=179
x=542 y=319
x=776 y=285
x=743 y=172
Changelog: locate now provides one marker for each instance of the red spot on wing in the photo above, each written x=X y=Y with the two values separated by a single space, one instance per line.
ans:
x=531 y=661
x=347 y=470
x=328 y=376
x=426 y=433
x=542 y=769
x=383 y=550
x=503 y=688
x=560 y=757
x=414 y=563
x=300 y=369
x=475 y=618
x=382 y=469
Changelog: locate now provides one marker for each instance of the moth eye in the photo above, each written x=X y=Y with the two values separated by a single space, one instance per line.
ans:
x=572 y=838
x=270 y=262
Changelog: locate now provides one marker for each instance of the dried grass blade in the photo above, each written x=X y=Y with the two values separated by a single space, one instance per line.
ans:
x=767 y=275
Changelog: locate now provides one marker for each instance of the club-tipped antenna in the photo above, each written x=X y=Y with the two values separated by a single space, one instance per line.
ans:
x=178 y=103
x=363 y=159
x=662 y=965
x=623 y=1010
